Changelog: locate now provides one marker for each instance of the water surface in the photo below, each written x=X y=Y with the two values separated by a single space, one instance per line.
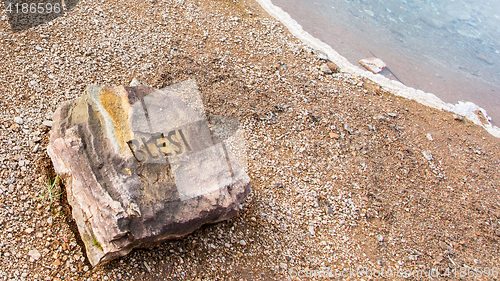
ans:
x=448 y=48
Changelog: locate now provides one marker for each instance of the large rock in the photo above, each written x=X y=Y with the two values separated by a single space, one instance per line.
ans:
x=141 y=166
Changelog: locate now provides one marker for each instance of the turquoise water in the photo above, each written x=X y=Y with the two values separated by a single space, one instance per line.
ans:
x=448 y=48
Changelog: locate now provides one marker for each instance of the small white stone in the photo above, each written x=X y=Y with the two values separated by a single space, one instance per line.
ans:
x=18 y=120
x=135 y=82
x=427 y=155
x=380 y=238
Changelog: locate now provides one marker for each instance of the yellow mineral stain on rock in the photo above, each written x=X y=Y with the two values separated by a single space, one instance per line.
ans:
x=115 y=102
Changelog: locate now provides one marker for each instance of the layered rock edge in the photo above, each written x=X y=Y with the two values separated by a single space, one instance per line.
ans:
x=140 y=166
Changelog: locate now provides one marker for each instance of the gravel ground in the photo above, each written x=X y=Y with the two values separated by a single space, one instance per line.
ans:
x=344 y=175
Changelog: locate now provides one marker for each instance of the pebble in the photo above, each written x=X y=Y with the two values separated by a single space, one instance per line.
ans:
x=34 y=254
x=19 y=120
x=334 y=135
x=333 y=67
x=380 y=238
x=374 y=65
x=290 y=219
x=320 y=55
x=283 y=266
x=427 y=155
x=458 y=117
x=312 y=230
x=325 y=69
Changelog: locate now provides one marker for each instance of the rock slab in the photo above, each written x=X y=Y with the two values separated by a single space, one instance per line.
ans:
x=374 y=65
x=141 y=166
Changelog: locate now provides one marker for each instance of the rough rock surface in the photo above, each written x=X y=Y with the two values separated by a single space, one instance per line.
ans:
x=141 y=166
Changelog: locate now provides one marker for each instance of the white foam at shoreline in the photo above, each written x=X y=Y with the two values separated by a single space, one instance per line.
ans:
x=466 y=109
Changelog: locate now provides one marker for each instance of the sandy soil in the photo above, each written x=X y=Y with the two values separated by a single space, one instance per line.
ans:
x=455 y=73
x=345 y=176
